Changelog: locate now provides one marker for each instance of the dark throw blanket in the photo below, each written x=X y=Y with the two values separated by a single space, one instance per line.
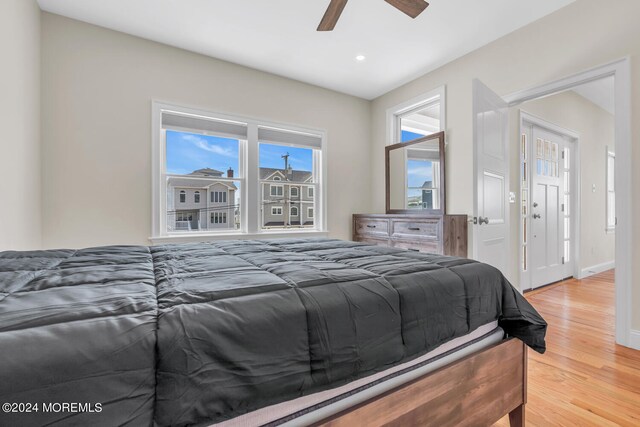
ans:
x=199 y=333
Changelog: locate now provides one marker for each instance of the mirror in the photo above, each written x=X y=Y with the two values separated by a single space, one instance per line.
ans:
x=415 y=180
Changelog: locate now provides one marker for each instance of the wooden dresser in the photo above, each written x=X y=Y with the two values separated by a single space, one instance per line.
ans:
x=439 y=234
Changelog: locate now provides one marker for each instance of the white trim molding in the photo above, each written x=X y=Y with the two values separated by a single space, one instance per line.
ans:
x=595 y=269
x=621 y=70
x=634 y=339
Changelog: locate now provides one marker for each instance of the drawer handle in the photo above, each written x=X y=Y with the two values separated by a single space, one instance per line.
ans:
x=414 y=228
x=371 y=226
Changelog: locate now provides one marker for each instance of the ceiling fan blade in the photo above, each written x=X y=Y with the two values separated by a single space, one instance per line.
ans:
x=413 y=8
x=332 y=15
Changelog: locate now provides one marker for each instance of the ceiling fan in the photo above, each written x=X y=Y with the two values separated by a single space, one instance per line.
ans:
x=413 y=8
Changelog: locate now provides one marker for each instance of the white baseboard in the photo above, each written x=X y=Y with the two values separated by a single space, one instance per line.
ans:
x=634 y=339
x=595 y=269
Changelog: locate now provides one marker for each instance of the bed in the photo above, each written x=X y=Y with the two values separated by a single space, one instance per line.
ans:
x=225 y=332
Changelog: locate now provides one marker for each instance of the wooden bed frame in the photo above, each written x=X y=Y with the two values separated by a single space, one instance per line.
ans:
x=477 y=390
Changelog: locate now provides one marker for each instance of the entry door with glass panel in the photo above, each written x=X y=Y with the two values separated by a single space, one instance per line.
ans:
x=548 y=208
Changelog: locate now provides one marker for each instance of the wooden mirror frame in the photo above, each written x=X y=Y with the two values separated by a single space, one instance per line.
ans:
x=443 y=203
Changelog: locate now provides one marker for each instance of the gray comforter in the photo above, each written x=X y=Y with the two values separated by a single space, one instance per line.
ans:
x=199 y=333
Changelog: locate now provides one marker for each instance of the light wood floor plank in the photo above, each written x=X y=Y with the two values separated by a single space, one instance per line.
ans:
x=584 y=378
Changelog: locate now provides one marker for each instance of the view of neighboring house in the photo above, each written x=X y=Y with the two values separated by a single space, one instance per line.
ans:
x=202 y=201
x=289 y=204
x=206 y=200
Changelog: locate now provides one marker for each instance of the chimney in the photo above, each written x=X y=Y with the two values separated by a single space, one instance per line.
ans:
x=230 y=173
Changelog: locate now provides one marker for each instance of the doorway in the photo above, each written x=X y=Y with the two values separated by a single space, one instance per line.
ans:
x=549 y=209
x=620 y=70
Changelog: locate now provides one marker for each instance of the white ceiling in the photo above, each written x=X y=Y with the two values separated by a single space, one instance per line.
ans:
x=600 y=92
x=279 y=36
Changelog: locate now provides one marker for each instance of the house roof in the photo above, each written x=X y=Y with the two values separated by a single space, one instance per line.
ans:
x=295 y=176
x=207 y=172
x=198 y=183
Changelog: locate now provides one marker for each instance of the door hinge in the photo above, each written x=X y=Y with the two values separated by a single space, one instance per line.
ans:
x=562 y=209
x=562 y=260
x=562 y=154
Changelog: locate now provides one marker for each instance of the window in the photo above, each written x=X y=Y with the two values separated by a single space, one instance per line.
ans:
x=213 y=156
x=277 y=190
x=288 y=158
x=309 y=212
x=417 y=118
x=611 y=191
x=218 y=217
x=218 y=197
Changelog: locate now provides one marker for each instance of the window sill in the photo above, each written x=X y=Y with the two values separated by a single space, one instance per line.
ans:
x=204 y=237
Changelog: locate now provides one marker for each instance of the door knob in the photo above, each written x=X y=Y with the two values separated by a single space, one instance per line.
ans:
x=537 y=216
x=482 y=220
x=535 y=205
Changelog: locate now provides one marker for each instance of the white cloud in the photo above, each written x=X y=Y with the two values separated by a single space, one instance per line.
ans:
x=204 y=145
x=422 y=171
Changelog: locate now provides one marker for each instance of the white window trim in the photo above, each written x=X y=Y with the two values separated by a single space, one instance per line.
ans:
x=297 y=192
x=250 y=214
x=274 y=212
x=311 y=209
x=291 y=211
x=397 y=111
x=276 y=186
x=310 y=190
x=609 y=228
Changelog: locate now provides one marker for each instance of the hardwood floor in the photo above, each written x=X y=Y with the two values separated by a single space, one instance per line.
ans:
x=584 y=378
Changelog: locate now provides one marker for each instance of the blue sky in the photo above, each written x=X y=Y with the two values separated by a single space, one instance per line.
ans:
x=418 y=171
x=409 y=136
x=187 y=152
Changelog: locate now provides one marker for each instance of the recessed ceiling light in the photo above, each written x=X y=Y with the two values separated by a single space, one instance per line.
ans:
x=360 y=58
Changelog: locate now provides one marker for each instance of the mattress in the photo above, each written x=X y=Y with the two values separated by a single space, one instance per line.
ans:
x=316 y=407
x=201 y=333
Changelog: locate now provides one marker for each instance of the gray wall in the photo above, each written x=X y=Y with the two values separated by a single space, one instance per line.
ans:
x=96 y=101
x=20 y=188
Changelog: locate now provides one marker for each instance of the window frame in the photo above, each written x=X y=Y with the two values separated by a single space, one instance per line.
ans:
x=395 y=113
x=291 y=208
x=248 y=177
x=312 y=215
x=609 y=228
x=273 y=208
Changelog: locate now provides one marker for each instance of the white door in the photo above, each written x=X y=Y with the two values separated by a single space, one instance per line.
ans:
x=547 y=208
x=490 y=129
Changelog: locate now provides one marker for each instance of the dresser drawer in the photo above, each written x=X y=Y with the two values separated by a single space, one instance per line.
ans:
x=372 y=241
x=428 y=229
x=426 y=246
x=372 y=227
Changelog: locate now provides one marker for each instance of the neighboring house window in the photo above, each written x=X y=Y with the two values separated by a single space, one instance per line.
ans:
x=195 y=149
x=310 y=192
x=611 y=191
x=276 y=210
x=418 y=117
x=218 y=218
x=218 y=197
x=309 y=212
x=294 y=211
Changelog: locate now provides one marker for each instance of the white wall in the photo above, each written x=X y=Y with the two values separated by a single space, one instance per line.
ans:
x=596 y=128
x=20 y=213
x=580 y=36
x=96 y=102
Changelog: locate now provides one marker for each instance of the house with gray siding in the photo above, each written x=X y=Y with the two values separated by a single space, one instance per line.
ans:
x=202 y=200
x=287 y=198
